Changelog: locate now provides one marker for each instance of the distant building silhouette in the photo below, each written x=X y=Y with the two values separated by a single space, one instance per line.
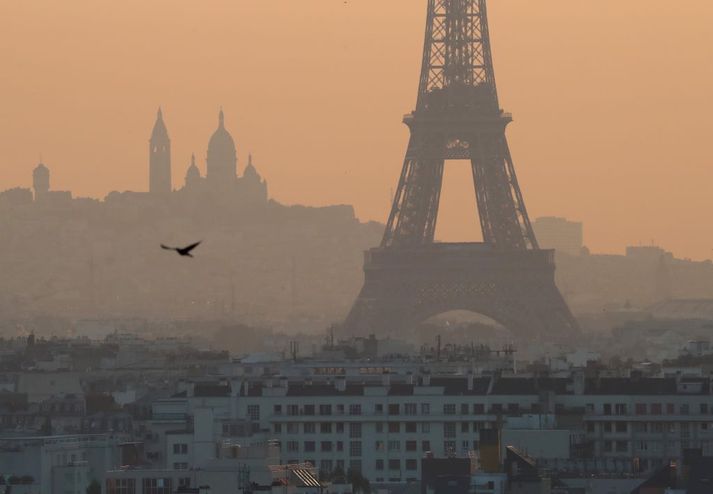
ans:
x=40 y=180
x=193 y=174
x=221 y=182
x=559 y=234
x=159 y=158
x=222 y=157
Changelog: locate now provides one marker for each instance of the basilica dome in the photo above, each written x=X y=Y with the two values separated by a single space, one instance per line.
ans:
x=222 y=156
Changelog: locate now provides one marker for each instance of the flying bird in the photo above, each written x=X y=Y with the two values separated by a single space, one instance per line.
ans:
x=182 y=251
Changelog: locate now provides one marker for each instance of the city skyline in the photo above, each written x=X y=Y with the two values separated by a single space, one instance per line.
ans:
x=558 y=88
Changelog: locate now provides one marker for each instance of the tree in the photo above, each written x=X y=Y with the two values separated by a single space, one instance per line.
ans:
x=94 y=487
x=360 y=484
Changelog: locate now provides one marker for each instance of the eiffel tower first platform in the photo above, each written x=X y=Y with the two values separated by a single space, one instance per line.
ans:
x=507 y=277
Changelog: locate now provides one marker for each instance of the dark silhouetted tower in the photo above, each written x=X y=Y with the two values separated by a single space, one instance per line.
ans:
x=458 y=117
x=159 y=158
x=40 y=180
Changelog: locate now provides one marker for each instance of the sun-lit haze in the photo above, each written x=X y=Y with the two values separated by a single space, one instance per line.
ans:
x=611 y=99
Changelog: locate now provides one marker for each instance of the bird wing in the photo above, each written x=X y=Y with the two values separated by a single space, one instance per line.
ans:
x=167 y=247
x=191 y=247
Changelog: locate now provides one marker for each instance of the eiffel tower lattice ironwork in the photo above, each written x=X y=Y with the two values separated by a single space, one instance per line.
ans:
x=507 y=277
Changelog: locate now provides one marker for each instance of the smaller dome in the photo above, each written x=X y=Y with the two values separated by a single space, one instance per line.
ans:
x=193 y=174
x=250 y=170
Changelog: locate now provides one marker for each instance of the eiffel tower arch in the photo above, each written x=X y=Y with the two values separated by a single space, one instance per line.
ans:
x=507 y=277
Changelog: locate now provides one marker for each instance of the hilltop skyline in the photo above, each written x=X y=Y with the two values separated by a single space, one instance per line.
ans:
x=589 y=146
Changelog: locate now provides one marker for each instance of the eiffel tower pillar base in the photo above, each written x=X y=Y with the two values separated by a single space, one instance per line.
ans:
x=403 y=287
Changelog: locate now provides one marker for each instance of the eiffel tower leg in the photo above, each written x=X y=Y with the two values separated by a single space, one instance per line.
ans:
x=413 y=215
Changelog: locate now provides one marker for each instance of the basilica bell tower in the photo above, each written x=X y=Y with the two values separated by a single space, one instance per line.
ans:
x=159 y=158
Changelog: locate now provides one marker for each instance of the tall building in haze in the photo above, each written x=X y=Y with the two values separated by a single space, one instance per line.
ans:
x=559 y=234
x=159 y=158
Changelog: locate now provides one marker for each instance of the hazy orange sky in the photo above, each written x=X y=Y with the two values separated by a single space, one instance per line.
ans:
x=612 y=102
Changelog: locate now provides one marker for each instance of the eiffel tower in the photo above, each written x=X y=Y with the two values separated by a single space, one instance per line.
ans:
x=507 y=277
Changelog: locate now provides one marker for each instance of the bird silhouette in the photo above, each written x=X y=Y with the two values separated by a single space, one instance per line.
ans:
x=182 y=251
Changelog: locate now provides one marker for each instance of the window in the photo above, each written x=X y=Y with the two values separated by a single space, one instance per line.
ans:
x=640 y=409
x=394 y=427
x=308 y=410
x=309 y=428
x=326 y=446
x=425 y=427
x=685 y=410
x=254 y=412
x=394 y=445
x=379 y=445
x=410 y=427
x=293 y=410
x=620 y=409
x=355 y=448
x=121 y=486
x=326 y=466
x=513 y=408
x=355 y=409
x=425 y=446
x=478 y=409
x=449 y=429
x=465 y=427
x=607 y=409
x=656 y=409
x=180 y=449
x=340 y=409
x=340 y=427
x=449 y=409
x=622 y=446
x=355 y=431
x=410 y=409
x=608 y=446
x=158 y=486
x=670 y=409
x=394 y=409
x=293 y=446
x=621 y=427
x=277 y=428
x=355 y=466
x=340 y=446
x=425 y=409
x=379 y=408
x=310 y=447
x=277 y=410
x=394 y=464
x=641 y=427
x=411 y=464
x=496 y=408
x=464 y=409
x=449 y=448
x=411 y=446
x=325 y=428
x=293 y=428
x=379 y=465
x=325 y=409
